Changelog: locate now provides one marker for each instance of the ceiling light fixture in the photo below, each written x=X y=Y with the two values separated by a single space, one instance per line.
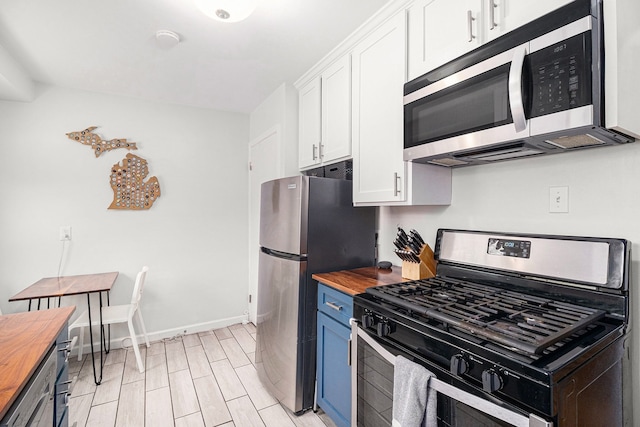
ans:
x=227 y=10
x=166 y=39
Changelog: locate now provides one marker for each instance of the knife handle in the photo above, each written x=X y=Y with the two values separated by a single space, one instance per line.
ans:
x=416 y=236
x=402 y=233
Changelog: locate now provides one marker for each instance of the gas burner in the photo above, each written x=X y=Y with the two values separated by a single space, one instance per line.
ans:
x=515 y=320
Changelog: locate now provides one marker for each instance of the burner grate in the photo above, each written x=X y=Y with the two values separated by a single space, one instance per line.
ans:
x=513 y=319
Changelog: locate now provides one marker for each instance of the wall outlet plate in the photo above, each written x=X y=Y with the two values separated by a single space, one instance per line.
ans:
x=65 y=232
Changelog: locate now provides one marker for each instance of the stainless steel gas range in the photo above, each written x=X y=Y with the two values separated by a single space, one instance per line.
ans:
x=518 y=329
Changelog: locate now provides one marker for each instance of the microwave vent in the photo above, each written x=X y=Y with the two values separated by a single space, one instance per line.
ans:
x=576 y=141
x=446 y=161
x=502 y=152
x=507 y=154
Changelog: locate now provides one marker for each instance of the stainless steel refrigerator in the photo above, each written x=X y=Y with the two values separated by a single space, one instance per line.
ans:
x=307 y=225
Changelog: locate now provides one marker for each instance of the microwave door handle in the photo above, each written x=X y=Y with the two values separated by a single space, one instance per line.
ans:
x=515 y=89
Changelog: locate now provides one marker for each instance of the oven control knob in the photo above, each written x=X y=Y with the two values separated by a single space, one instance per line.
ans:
x=367 y=321
x=459 y=365
x=491 y=381
x=383 y=329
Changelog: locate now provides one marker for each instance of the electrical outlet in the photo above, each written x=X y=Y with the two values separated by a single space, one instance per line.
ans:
x=65 y=232
x=559 y=199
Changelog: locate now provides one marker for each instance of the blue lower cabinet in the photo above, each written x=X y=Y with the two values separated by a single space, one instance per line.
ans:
x=333 y=370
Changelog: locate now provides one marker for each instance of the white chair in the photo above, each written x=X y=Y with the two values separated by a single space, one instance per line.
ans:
x=118 y=314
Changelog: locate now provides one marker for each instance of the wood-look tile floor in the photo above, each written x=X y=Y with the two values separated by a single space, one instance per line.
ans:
x=205 y=379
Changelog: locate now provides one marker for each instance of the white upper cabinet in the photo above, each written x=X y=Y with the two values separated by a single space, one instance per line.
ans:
x=505 y=15
x=378 y=78
x=442 y=30
x=325 y=116
x=336 y=111
x=380 y=176
x=310 y=123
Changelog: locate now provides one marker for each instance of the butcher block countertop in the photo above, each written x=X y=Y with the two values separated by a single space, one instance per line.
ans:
x=356 y=281
x=25 y=339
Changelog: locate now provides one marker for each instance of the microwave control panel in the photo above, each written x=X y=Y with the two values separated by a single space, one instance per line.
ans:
x=560 y=76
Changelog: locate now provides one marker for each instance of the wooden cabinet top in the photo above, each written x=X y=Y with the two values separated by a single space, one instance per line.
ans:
x=25 y=339
x=356 y=281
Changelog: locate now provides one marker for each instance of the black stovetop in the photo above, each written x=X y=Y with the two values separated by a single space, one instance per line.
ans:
x=520 y=322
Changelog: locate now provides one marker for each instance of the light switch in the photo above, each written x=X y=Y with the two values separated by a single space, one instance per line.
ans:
x=558 y=199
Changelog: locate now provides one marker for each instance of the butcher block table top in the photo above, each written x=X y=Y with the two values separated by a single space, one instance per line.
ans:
x=356 y=281
x=25 y=339
x=68 y=285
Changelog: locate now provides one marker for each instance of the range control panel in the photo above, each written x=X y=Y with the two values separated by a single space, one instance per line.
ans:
x=509 y=247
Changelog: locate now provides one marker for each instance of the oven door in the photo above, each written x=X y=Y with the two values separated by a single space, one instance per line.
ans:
x=476 y=107
x=372 y=367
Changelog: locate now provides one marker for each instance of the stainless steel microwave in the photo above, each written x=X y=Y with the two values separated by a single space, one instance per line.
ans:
x=543 y=88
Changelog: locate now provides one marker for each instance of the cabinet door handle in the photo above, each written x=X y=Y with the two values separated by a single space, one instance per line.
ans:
x=320 y=150
x=492 y=14
x=315 y=148
x=349 y=352
x=334 y=305
x=66 y=396
x=396 y=187
x=470 y=20
x=70 y=344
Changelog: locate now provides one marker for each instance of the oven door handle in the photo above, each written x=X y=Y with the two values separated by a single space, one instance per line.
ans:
x=468 y=399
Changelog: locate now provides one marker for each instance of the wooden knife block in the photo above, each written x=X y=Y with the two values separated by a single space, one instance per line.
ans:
x=424 y=269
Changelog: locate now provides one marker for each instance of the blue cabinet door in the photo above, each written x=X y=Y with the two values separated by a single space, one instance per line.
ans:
x=333 y=370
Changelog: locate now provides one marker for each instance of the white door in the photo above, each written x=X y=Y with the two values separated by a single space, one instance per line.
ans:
x=264 y=165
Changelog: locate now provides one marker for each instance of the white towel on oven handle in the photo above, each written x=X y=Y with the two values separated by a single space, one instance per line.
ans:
x=414 y=402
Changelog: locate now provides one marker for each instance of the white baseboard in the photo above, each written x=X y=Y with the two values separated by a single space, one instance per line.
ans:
x=117 y=341
x=195 y=328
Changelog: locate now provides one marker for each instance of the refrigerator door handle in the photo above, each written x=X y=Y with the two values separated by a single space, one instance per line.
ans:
x=284 y=255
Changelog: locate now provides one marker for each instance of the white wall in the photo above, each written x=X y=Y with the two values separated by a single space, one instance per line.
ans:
x=604 y=201
x=279 y=109
x=193 y=238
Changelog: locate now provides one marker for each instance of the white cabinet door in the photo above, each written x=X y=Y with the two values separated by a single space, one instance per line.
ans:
x=336 y=111
x=378 y=78
x=442 y=30
x=310 y=123
x=507 y=15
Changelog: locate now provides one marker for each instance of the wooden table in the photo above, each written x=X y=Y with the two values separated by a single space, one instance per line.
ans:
x=52 y=287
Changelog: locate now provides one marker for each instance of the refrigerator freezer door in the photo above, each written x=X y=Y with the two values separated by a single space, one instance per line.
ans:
x=283 y=215
x=278 y=349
